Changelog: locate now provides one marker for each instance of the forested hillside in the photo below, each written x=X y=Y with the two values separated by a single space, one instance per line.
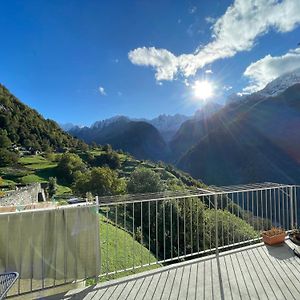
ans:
x=23 y=126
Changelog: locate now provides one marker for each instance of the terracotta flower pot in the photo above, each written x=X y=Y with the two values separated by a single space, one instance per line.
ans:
x=275 y=239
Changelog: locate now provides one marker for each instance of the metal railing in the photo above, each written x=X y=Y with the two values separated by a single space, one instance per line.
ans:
x=139 y=232
x=176 y=227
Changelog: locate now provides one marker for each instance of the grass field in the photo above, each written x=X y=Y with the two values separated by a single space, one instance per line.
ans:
x=120 y=251
x=31 y=169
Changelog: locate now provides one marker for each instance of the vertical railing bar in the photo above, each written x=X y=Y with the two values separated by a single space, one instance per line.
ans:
x=65 y=246
x=257 y=218
x=149 y=232
x=292 y=207
x=286 y=209
x=43 y=251
x=7 y=244
x=204 y=227
x=279 y=212
x=133 y=238
x=232 y=211
x=164 y=229
x=55 y=247
x=222 y=220
x=124 y=241
x=266 y=204
x=271 y=206
x=178 y=242
x=184 y=229
x=77 y=250
x=142 y=238
x=283 y=207
x=262 y=210
x=296 y=208
x=171 y=228
x=275 y=204
x=243 y=204
x=238 y=212
x=228 y=220
x=20 y=253
x=107 y=254
x=198 y=248
x=156 y=232
x=116 y=239
x=252 y=208
x=191 y=221
x=216 y=226
x=210 y=229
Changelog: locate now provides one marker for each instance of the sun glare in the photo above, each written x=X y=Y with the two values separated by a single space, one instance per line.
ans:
x=203 y=89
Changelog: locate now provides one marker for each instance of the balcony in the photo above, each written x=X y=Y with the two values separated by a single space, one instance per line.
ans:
x=202 y=244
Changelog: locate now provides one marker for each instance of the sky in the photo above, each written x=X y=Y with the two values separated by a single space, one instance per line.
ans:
x=83 y=61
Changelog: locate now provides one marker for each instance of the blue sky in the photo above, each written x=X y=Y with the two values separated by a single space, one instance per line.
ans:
x=82 y=61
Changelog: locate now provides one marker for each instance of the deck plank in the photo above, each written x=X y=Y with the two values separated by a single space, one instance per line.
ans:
x=192 y=287
x=176 y=285
x=160 y=286
x=169 y=284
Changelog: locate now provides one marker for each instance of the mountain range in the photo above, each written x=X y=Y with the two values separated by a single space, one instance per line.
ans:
x=252 y=138
x=145 y=139
x=167 y=125
x=139 y=138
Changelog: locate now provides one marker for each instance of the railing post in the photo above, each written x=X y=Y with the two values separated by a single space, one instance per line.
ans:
x=292 y=207
x=216 y=224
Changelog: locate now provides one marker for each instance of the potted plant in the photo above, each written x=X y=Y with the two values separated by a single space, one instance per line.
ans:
x=295 y=236
x=274 y=236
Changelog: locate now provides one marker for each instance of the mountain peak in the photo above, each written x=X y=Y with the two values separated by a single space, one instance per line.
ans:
x=107 y=122
x=280 y=84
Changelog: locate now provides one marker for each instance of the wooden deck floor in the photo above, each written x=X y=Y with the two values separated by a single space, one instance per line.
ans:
x=253 y=272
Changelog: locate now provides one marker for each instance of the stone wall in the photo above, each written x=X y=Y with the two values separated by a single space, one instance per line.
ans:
x=26 y=195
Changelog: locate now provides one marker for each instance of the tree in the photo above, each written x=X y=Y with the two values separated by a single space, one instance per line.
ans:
x=100 y=182
x=107 y=148
x=144 y=180
x=1 y=183
x=5 y=142
x=110 y=159
x=7 y=157
x=52 y=186
x=70 y=166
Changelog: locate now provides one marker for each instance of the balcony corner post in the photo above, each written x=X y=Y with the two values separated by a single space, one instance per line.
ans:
x=216 y=224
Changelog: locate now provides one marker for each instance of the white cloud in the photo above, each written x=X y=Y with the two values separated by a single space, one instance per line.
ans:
x=227 y=88
x=163 y=61
x=236 y=31
x=120 y=94
x=261 y=72
x=192 y=10
x=208 y=72
x=210 y=20
x=102 y=91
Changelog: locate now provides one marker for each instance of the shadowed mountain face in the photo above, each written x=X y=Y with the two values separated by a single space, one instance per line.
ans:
x=251 y=141
x=136 y=137
x=192 y=130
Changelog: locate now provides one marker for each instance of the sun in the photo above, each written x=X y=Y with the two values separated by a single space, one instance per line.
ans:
x=203 y=89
